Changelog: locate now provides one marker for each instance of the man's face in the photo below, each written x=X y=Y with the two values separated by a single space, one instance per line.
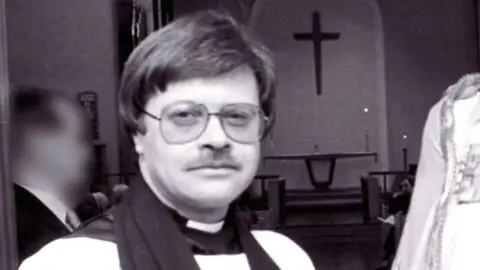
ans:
x=186 y=173
x=64 y=153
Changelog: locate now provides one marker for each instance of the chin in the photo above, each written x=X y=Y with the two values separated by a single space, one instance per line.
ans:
x=208 y=193
x=211 y=200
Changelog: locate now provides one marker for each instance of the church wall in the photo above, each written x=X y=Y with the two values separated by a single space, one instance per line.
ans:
x=240 y=9
x=335 y=120
x=69 y=46
x=428 y=46
x=426 y=49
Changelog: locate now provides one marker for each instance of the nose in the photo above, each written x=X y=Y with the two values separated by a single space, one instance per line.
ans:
x=214 y=136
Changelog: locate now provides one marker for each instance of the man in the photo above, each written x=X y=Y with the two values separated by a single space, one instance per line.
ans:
x=397 y=202
x=442 y=225
x=196 y=97
x=50 y=155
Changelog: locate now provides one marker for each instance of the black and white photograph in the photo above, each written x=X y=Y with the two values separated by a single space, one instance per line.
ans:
x=239 y=134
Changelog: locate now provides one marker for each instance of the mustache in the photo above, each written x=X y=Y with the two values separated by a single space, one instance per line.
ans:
x=214 y=163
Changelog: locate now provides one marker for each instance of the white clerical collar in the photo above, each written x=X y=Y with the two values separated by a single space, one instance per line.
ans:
x=205 y=227
x=58 y=208
x=196 y=225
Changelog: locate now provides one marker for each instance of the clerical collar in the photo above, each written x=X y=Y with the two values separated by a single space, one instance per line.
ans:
x=210 y=228
x=205 y=227
x=209 y=238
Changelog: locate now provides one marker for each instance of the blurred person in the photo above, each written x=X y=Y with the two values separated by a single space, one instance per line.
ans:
x=101 y=200
x=441 y=230
x=118 y=193
x=50 y=154
x=197 y=98
x=94 y=205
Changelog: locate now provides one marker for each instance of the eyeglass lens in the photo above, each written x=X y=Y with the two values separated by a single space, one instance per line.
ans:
x=186 y=121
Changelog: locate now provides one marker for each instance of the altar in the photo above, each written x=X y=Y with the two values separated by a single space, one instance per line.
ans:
x=331 y=158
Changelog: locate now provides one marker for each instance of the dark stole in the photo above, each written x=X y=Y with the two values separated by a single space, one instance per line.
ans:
x=150 y=236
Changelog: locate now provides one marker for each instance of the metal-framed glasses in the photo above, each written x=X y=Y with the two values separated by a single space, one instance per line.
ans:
x=186 y=121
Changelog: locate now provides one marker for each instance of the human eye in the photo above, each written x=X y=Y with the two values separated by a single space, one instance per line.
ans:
x=185 y=116
x=238 y=117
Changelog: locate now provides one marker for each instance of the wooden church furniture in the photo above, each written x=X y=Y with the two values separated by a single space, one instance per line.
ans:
x=99 y=167
x=332 y=158
x=386 y=174
x=263 y=178
x=276 y=203
x=274 y=216
x=365 y=201
x=371 y=198
x=328 y=201
x=398 y=178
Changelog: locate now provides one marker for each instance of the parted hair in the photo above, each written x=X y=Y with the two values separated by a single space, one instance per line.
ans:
x=199 y=45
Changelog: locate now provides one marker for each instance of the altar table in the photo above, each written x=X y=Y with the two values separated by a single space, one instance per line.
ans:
x=329 y=157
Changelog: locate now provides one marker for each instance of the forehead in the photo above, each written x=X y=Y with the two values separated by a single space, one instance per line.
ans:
x=237 y=86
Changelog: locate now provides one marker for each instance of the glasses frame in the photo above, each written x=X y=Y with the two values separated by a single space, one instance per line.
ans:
x=264 y=120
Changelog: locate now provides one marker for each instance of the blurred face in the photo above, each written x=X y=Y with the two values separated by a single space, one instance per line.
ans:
x=63 y=153
x=203 y=149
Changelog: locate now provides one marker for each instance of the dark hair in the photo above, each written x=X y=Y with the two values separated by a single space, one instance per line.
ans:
x=32 y=108
x=200 y=45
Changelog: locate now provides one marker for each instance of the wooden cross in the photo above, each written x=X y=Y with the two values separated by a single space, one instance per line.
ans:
x=317 y=36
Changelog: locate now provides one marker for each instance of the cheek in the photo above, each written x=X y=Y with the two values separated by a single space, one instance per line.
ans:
x=166 y=158
x=250 y=156
x=47 y=150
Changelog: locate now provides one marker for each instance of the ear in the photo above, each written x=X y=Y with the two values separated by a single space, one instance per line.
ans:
x=138 y=140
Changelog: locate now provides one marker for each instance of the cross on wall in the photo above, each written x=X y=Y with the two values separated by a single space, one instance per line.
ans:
x=317 y=36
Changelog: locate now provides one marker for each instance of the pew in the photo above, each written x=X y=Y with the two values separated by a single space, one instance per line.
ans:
x=324 y=199
x=371 y=198
x=274 y=216
x=366 y=200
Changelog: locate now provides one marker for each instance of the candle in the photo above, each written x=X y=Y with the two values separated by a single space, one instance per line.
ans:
x=367 y=135
x=405 y=152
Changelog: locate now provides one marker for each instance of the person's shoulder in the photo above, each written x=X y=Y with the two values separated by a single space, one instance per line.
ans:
x=464 y=104
x=100 y=228
x=90 y=246
x=283 y=250
x=74 y=253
